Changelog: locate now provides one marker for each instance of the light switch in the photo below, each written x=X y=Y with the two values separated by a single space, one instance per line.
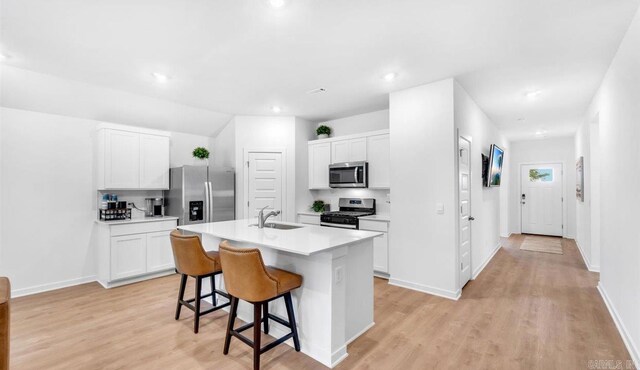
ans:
x=440 y=208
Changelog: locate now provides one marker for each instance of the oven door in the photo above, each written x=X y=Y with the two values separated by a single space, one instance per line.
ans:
x=348 y=175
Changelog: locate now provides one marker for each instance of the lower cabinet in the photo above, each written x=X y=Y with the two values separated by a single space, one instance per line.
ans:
x=380 y=245
x=309 y=219
x=130 y=252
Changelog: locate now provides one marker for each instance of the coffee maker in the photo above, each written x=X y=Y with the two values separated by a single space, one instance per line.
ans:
x=154 y=207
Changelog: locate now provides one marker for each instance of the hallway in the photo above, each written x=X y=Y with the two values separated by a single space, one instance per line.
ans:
x=526 y=310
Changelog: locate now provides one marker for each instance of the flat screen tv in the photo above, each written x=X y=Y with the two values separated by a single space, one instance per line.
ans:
x=495 y=165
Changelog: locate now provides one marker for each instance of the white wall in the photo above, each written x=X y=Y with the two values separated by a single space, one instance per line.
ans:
x=358 y=124
x=372 y=121
x=423 y=253
x=49 y=200
x=616 y=106
x=38 y=92
x=224 y=146
x=556 y=150
x=486 y=203
x=182 y=146
x=305 y=131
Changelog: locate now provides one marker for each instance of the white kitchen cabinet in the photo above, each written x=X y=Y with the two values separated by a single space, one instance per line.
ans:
x=380 y=244
x=154 y=162
x=319 y=160
x=121 y=160
x=159 y=252
x=131 y=251
x=309 y=219
x=132 y=158
x=128 y=256
x=379 y=160
x=350 y=150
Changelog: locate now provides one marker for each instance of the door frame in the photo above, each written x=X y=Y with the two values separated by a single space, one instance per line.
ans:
x=562 y=186
x=245 y=177
x=457 y=197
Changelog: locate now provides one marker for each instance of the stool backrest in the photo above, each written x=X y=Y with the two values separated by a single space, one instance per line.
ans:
x=5 y=299
x=189 y=255
x=245 y=275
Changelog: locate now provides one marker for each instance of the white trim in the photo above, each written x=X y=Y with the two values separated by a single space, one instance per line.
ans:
x=506 y=236
x=136 y=279
x=626 y=338
x=357 y=335
x=563 y=186
x=348 y=137
x=284 y=178
x=481 y=267
x=587 y=263
x=426 y=289
x=15 y=293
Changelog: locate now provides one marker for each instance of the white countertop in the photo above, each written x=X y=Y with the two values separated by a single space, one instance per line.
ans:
x=137 y=220
x=377 y=217
x=307 y=240
x=309 y=213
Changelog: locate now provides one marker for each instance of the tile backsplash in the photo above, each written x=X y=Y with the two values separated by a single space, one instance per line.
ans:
x=131 y=196
x=332 y=195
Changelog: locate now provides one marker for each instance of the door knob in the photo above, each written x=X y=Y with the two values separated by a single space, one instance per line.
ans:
x=471 y=218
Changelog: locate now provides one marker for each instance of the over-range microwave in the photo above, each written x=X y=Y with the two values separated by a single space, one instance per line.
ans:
x=349 y=175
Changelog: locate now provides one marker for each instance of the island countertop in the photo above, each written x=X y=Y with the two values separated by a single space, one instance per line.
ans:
x=306 y=240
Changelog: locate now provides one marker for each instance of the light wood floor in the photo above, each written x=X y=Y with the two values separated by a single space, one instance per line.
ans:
x=526 y=310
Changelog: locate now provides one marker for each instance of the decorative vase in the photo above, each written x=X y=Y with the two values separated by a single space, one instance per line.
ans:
x=323 y=136
x=201 y=162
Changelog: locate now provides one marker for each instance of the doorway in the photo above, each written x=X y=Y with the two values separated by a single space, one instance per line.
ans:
x=264 y=183
x=541 y=199
x=464 y=198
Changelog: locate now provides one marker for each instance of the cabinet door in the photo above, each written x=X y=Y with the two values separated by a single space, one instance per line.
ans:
x=340 y=151
x=319 y=160
x=309 y=219
x=128 y=256
x=159 y=253
x=379 y=161
x=122 y=160
x=154 y=162
x=358 y=149
x=381 y=253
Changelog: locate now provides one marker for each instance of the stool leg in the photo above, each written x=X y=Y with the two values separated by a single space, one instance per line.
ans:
x=196 y=323
x=232 y=320
x=256 y=335
x=213 y=291
x=292 y=321
x=183 y=284
x=265 y=315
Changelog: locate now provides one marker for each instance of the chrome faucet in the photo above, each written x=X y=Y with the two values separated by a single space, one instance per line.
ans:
x=263 y=218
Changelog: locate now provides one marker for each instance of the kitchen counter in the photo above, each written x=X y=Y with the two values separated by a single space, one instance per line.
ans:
x=137 y=220
x=377 y=217
x=310 y=213
x=334 y=305
x=306 y=240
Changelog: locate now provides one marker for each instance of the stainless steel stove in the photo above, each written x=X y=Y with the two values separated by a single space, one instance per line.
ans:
x=350 y=210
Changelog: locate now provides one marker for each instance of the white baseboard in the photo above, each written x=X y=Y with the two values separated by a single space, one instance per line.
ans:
x=587 y=263
x=15 y=293
x=626 y=338
x=486 y=262
x=426 y=289
x=506 y=236
x=366 y=329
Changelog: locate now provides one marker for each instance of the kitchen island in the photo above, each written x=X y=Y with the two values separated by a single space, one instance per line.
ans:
x=334 y=306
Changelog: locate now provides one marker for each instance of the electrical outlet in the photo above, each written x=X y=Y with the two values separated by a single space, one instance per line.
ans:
x=338 y=274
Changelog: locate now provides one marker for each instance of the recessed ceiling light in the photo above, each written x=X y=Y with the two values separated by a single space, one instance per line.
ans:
x=390 y=76
x=4 y=56
x=541 y=132
x=317 y=91
x=276 y=3
x=521 y=119
x=276 y=109
x=160 y=77
x=533 y=94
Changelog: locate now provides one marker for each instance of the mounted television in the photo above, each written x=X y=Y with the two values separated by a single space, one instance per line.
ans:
x=485 y=170
x=495 y=166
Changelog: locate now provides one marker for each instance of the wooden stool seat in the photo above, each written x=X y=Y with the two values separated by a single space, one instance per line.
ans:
x=247 y=278
x=192 y=260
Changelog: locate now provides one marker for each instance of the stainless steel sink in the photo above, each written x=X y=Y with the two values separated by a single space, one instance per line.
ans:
x=272 y=225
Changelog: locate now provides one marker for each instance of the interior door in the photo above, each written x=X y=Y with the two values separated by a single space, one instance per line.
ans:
x=464 y=196
x=265 y=183
x=541 y=199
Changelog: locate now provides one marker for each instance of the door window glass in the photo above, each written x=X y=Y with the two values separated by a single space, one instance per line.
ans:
x=541 y=175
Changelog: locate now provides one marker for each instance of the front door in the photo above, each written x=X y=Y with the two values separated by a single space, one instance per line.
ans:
x=541 y=199
x=265 y=183
x=464 y=195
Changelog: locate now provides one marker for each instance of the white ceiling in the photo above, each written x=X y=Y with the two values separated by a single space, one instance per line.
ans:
x=243 y=56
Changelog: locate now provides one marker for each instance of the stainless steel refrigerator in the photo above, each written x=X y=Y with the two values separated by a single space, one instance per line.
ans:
x=201 y=194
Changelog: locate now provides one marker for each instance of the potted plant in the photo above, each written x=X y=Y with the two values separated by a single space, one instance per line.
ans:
x=201 y=154
x=318 y=206
x=323 y=131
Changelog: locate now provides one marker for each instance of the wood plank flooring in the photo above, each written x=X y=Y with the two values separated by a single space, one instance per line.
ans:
x=526 y=310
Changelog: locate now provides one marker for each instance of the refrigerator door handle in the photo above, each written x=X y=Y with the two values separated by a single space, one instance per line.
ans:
x=210 y=201
x=207 y=200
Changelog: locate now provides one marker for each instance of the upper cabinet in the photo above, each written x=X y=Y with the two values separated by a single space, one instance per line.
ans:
x=131 y=158
x=379 y=160
x=350 y=150
x=372 y=147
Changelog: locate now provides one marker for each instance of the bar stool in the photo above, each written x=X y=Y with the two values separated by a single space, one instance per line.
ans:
x=192 y=260
x=5 y=298
x=247 y=278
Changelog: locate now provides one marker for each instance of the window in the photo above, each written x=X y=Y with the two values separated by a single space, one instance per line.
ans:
x=541 y=175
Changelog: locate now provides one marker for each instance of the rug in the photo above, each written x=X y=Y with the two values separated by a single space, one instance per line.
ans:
x=543 y=244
